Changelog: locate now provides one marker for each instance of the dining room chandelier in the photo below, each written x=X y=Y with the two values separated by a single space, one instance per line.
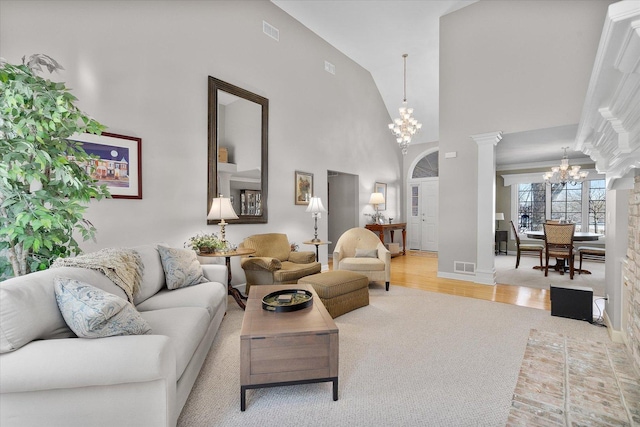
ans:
x=565 y=173
x=404 y=127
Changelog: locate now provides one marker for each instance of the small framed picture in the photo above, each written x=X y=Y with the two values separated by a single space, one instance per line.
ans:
x=381 y=188
x=118 y=164
x=304 y=187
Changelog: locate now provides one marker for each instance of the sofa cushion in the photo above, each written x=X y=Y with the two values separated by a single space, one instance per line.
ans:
x=208 y=295
x=181 y=267
x=362 y=264
x=366 y=253
x=153 y=274
x=93 y=313
x=28 y=308
x=291 y=272
x=185 y=326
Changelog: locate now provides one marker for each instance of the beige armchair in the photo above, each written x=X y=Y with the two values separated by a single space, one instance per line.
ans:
x=361 y=251
x=273 y=262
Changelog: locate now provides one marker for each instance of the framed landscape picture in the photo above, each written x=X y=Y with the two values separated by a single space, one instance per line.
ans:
x=118 y=164
x=304 y=187
x=381 y=188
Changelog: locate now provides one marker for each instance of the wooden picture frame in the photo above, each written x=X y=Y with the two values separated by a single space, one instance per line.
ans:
x=381 y=187
x=303 y=187
x=119 y=163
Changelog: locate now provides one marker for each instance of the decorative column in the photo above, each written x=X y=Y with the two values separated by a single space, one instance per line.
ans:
x=485 y=236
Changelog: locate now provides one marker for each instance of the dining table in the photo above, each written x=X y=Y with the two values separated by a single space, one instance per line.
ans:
x=578 y=236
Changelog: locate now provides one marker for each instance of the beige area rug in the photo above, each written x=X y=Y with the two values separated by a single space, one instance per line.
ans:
x=575 y=382
x=526 y=275
x=410 y=358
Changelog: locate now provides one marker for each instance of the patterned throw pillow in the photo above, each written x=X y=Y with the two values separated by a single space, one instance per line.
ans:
x=181 y=267
x=93 y=313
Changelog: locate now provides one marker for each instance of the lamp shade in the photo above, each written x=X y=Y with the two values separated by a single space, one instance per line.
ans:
x=499 y=216
x=221 y=208
x=315 y=205
x=376 y=198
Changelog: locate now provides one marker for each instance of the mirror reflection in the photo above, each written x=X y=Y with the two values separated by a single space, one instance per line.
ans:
x=238 y=150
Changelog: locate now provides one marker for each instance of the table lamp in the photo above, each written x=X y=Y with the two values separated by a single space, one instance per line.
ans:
x=375 y=200
x=499 y=217
x=315 y=207
x=222 y=209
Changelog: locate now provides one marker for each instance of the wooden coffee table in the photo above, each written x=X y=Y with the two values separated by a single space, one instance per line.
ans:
x=286 y=348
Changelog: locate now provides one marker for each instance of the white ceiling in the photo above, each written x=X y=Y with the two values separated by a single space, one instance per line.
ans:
x=375 y=34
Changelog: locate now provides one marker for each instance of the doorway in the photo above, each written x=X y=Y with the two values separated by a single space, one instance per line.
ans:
x=422 y=200
x=342 y=209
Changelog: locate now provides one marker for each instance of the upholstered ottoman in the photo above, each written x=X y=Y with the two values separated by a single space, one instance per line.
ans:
x=340 y=291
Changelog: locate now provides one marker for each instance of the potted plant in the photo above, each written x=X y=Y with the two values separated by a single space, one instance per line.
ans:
x=204 y=243
x=43 y=193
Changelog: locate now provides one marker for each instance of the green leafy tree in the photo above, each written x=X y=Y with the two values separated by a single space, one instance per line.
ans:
x=44 y=193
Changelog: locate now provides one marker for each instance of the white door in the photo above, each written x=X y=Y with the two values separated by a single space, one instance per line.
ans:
x=423 y=215
x=429 y=215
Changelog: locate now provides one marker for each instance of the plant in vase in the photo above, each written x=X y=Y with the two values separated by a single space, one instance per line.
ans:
x=44 y=192
x=376 y=218
x=204 y=243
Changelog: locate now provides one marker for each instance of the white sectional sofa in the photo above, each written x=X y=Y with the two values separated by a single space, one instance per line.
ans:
x=49 y=377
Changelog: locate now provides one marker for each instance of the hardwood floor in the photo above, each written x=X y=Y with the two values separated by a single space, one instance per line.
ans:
x=419 y=270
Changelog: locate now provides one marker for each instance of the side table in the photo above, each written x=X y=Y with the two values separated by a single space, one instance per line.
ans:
x=227 y=260
x=380 y=229
x=317 y=244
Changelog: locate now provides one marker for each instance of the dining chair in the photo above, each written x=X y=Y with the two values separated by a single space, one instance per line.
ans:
x=558 y=242
x=525 y=247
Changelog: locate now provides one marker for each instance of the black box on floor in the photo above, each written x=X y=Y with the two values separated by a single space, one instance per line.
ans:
x=574 y=302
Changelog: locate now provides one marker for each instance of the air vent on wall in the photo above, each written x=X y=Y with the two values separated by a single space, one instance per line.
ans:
x=271 y=31
x=329 y=67
x=464 y=267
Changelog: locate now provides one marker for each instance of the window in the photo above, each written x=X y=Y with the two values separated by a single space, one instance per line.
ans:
x=414 y=200
x=582 y=203
x=597 y=205
x=531 y=206
x=427 y=167
x=566 y=203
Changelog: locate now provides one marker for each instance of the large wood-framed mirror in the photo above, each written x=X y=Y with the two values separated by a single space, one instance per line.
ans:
x=238 y=147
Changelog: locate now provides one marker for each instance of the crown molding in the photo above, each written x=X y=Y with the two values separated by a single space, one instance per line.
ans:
x=609 y=128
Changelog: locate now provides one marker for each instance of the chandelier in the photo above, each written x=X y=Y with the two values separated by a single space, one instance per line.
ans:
x=406 y=126
x=564 y=173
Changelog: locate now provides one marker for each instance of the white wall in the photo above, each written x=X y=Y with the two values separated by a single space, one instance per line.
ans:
x=505 y=66
x=141 y=67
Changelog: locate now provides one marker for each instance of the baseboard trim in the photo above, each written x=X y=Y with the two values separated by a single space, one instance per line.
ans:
x=615 y=335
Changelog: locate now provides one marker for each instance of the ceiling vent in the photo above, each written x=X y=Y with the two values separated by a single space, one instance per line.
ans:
x=271 y=31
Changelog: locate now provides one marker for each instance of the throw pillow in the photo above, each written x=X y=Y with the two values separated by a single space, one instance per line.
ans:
x=93 y=313
x=181 y=267
x=366 y=253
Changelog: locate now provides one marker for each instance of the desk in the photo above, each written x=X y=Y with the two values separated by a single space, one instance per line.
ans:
x=502 y=236
x=317 y=244
x=578 y=236
x=227 y=260
x=380 y=229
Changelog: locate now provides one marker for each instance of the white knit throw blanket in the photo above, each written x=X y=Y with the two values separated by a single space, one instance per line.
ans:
x=122 y=266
